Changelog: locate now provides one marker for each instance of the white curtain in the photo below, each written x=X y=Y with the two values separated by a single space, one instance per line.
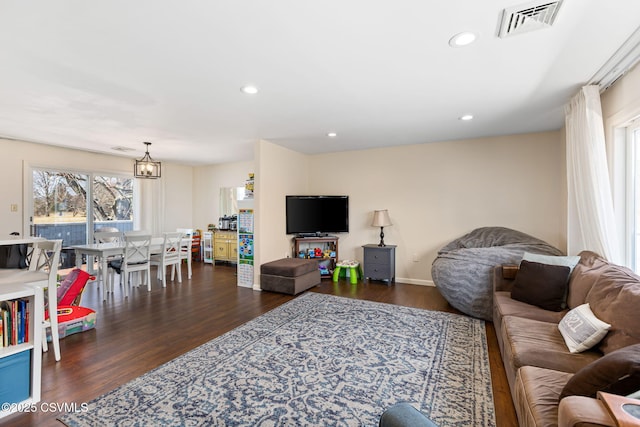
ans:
x=151 y=206
x=591 y=220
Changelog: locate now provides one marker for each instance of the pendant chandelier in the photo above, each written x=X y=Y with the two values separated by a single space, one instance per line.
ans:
x=146 y=167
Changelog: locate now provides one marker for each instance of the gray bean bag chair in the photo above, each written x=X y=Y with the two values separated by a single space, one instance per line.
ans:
x=463 y=269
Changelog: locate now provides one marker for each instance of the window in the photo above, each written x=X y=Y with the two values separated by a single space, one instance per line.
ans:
x=71 y=205
x=632 y=244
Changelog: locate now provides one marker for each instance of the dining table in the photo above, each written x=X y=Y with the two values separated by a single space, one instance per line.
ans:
x=107 y=250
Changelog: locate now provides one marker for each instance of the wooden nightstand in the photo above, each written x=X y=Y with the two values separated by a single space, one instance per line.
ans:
x=380 y=262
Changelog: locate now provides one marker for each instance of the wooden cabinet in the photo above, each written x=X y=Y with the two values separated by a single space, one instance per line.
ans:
x=380 y=262
x=225 y=246
x=21 y=364
x=328 y=246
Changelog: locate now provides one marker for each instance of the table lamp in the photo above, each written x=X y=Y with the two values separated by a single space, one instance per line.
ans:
x=381 y=219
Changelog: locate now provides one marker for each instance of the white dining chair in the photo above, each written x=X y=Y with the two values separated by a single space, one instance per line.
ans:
x=136 y=259
x=170 y=256
x=106 y=235
x=45 y=257
x=185 y=247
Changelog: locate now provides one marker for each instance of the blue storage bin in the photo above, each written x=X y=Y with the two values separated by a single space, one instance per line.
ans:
x=15 y=377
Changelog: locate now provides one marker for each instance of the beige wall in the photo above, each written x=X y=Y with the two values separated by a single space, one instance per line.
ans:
x=178 y=196
x=207 y=181
x=280 y=172
x=620 y=104
x=434 y=193
x=18 y=156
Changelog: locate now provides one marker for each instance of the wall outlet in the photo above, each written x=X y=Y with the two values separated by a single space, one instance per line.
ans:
x=14 y=207
x=416 y=258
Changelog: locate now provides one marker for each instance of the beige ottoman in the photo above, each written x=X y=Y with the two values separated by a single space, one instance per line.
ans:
x=289 y=275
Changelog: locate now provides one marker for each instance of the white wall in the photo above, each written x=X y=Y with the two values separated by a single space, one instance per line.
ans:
x=18 y=156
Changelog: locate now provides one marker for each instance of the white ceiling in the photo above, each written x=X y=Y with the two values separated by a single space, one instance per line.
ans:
x=101 y=74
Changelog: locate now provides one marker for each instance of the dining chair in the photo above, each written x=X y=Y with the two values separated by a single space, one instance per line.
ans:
x=196 y=242
x=136 y=259
x=106 y=235
x=170 y=256
x=45 y=257
x=185 y=247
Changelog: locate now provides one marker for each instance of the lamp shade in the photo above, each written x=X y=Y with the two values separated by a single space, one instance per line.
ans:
x=381 y=218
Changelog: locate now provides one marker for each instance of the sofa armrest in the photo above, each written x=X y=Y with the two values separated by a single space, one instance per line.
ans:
x=503 y=276
x=581 y=411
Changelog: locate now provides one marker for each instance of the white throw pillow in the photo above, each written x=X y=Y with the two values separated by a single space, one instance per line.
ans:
x=568 y=261
x=581 y=329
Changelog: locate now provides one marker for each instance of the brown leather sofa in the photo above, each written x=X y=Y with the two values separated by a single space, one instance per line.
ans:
x=538 y=364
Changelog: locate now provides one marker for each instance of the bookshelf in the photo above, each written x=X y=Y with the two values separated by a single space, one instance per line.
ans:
x=207 y=247
x=29 y=352
x=326 y=244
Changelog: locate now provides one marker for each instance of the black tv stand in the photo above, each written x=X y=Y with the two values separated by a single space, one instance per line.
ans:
x=307 y=235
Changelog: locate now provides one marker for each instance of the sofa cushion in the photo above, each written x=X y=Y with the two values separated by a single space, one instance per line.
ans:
x=507 y=306
x=537 y=391
x=581 y=329
x=535 y=343
x=584 y=276
x=614 y=299
x=542 y=285
x=617 y=372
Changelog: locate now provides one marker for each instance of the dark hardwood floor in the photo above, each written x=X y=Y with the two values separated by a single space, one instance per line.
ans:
x=147 y=329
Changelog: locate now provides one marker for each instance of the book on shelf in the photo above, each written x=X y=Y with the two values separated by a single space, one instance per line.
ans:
x=14 y=322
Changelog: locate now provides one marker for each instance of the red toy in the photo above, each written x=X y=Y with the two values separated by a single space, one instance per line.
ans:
x=318 y=252
x=71 y=288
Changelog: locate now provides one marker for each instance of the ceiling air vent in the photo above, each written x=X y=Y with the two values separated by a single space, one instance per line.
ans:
x=528 y=17
x=123 y=149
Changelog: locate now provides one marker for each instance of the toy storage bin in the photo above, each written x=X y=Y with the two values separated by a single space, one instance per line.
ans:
x=15 y=371
x=73 y=319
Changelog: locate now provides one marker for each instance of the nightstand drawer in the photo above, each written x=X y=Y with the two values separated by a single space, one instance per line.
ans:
x=375 y=256
x=377 y=271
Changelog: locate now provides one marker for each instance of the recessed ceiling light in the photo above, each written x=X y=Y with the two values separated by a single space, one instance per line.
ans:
x=251 y=90
x=332 y=134
x=466 y=117
x=463 y=39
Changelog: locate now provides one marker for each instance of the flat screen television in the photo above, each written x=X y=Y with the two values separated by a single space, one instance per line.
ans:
x=317 y=215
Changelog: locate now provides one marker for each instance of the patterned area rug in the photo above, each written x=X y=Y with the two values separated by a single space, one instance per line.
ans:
x=318 y=360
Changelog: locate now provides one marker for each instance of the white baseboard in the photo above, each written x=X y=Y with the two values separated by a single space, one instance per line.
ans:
x=420 y=282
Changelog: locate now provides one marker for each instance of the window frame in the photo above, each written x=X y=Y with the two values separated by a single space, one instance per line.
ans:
x=28 y=170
